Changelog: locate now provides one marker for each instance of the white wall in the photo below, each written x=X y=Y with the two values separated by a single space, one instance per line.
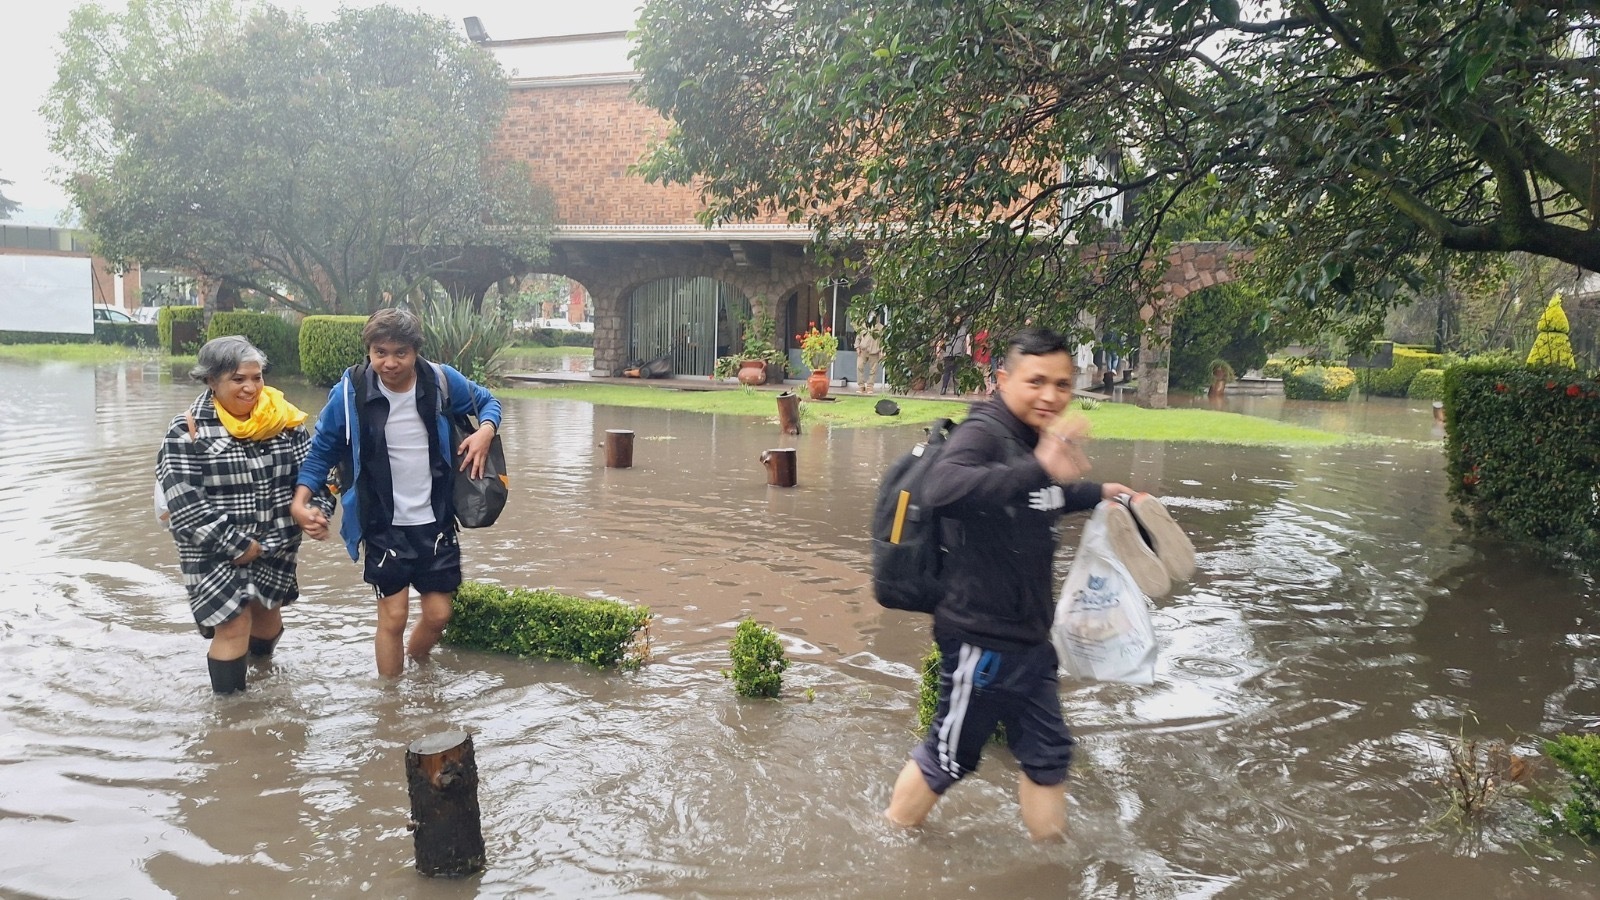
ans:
x=46 y=293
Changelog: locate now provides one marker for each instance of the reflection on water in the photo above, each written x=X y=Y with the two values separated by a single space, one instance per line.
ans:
x=1338 y=630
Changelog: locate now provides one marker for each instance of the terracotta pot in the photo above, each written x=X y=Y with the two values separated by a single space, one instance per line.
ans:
x=818 y=384
x=753 y=372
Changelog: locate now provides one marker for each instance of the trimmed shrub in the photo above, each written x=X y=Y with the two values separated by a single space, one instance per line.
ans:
x=329 y=345
x=172 y=314
x=1428 y=385
x=1578 y=755
x=1395 y=380
x=1521 y=454
x=577 y=339
x=279 y=340
x=1274 y=368
x=1319 y=383
x=758 y=660
x=43 y=337
x=603 y=633
x=127 y=334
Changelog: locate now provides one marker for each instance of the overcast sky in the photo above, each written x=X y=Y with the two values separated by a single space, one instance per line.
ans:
x=27 y=67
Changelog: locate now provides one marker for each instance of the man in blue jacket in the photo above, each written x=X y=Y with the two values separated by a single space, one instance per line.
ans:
x=1000 y=486
x=383 y=421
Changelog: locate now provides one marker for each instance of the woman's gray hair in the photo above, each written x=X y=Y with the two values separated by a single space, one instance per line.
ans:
x=223 y=356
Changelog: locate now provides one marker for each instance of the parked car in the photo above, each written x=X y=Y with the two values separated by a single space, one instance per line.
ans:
x=103 y=313
x=147 y=315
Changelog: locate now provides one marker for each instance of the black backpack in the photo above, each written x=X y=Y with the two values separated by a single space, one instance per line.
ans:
x=906 y=555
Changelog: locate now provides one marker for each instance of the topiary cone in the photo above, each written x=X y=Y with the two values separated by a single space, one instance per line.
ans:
x=1552 y=347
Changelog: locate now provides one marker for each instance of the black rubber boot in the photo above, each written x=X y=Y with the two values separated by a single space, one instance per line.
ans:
x=227 y=675
x=264 y=646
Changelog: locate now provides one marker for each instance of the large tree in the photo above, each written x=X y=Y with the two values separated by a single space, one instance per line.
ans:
x=321 y=164
x=7 y=205
x=974 y=148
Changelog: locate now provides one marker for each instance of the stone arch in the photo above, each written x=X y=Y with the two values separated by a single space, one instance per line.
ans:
x=1191 y=266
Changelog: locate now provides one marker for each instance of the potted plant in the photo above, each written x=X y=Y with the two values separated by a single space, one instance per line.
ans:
x=817 y=351
x=759 y=358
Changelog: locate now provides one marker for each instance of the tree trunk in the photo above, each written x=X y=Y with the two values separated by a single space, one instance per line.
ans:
x=442 y=774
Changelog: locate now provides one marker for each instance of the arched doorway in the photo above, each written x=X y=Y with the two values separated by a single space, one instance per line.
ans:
x=692 y=321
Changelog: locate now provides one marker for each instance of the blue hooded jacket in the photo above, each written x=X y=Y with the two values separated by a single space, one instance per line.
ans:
x=335 y=440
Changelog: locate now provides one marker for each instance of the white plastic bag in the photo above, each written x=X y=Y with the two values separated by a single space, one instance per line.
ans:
x=1102 y=630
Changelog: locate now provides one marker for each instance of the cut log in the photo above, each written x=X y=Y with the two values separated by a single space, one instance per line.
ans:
x=789 y=412
x=619 y=448
x=442 y=775
x=780 y=465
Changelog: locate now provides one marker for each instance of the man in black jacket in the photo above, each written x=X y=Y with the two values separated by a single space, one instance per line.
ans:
x=1001 y=484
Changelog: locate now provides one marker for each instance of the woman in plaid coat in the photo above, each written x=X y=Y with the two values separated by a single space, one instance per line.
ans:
x=227 y=470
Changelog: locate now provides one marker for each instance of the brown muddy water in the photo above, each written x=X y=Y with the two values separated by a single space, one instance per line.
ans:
x=1339 y=632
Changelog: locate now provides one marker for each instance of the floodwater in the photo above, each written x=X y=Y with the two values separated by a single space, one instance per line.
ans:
x=1340 y=631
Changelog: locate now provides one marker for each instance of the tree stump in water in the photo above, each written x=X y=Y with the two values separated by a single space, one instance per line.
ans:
x=619 y=448
x=780 y=465
x=442 y=775
x=789 y=412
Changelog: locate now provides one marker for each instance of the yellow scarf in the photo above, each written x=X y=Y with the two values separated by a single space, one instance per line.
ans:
x=268 y=420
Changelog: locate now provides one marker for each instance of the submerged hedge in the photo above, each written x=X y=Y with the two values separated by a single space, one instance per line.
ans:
x=1428 y=385
x=602 y=633
x=1319 y=383
x=171 y=314
x=1522 y=452
x=1395 y=380
x=329 y=345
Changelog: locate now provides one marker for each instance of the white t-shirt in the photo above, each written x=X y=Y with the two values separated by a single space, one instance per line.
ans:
x=408 y=458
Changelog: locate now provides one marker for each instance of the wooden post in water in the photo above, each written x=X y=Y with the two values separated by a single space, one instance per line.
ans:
x=619 y=448
x=780 y=465
x=442 y=775
x=789 y=412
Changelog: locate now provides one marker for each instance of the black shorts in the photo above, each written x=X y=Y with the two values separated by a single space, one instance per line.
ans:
x=425 y=557
x=979 y=688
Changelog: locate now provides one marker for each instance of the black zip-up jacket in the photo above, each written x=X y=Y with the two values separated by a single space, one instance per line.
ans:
x=376 y=485
x=1000 y=511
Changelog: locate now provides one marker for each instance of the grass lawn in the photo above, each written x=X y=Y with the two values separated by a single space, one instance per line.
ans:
x=1117 y=421
x=76 y=353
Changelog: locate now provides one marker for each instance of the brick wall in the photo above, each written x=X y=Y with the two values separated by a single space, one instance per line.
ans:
x=580 y=140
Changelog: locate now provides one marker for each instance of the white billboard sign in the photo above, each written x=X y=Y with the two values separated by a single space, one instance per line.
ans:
x=46 y=293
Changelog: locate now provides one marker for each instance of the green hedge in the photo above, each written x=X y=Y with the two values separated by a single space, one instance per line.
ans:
x=1522 y=453
x=758 y=660
x=1393 y=381
x=171 y=314
x=1319 y=383
x=44 y=337
x=1578 y=755
x=329 y=345
x=544 y=623
x=128 y=334
x=928 y=696
x=1274 y=368
x=1428 y=385
x=279 y=340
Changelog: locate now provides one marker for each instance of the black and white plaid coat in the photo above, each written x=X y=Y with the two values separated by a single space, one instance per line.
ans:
x=222 y=493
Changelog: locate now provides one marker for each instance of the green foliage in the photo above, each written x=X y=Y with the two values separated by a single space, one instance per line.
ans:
x=1579 y=757
x=928 y=689
x=279 y=340
x=1220 y=322
x=577 y=339
x=1357 y=142
x=1274 y=368
x=542 y=623
x=456 y=333
x=321 y=164
x=1521 y=455
x=1553 y=347
x=1428 y=385
x=172 y=314
x=329 y=345
x=43 y=337
x=758 y=660
x=1393 y=381
x=1319 y=383
x=127 y=334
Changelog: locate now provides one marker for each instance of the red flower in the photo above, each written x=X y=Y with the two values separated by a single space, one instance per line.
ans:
x=1573 y=390
x=1549 y=385
x=1469 y=480
x=1500 y=388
